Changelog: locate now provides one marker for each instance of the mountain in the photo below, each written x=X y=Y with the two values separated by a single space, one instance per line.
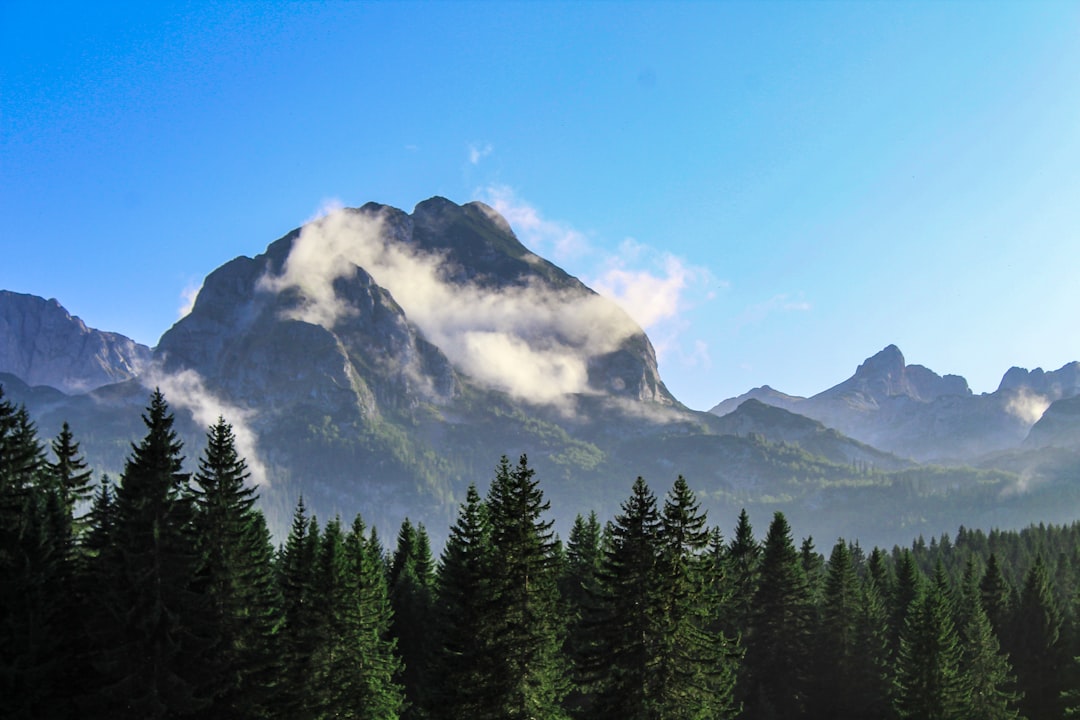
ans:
x=379 y=361
x=913 y=412
x=42 y=344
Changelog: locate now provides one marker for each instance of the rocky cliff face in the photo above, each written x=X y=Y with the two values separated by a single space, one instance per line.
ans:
x=42 y=344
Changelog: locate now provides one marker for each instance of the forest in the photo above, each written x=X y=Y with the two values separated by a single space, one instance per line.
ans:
x=162 y=594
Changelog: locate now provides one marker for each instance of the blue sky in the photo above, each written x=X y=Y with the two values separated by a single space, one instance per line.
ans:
x=777 y=189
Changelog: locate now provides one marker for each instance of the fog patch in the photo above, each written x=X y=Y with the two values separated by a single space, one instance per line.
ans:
x=1027 y=406
x=186 y=390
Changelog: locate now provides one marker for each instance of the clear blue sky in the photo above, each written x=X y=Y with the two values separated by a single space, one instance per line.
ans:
x=810 y=181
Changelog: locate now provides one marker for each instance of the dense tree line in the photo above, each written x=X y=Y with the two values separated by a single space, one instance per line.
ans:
x=162 y=595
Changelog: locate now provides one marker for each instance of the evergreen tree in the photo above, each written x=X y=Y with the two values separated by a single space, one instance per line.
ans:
x=153 y=656
x=744 y=573
x=579 y=588
x=696 y=670
x=531 y=680
x=928 y=675
x=907 y=590
x=412 y=595
x=463 y=663
x=838 y=648
x=630 y=623
x=72 y=481
x=778 y=651
x=237 y=578
x=30 y=666
x=996 y=595
x=872 y=682
x=1035 y=647
x=986 y=672
x=299 y=636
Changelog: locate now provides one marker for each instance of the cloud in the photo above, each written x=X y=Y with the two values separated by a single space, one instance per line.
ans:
x=187 y=390
x=782 y=303
x=1028 y=406
x=654 y=287
x=530 y=340
x=188 y=296
x=547 y=237
x=478 y=152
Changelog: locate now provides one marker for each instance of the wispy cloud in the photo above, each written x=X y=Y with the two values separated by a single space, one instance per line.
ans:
x=654 y=287
x=187 y=390
x=188 y=295
x=479 y=151
x=549 y=238
x=782 y=303
x=530 y=340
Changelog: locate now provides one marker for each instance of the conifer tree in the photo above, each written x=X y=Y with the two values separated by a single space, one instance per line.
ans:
x=579 y=588
x=237 y=578
x=531 y=681
x=29 y=570
x=872 y=683
x=839 y=663
x=1036 y=647
x=986 y=672
x=299 y=636
x=463 y=663
x=928 y=675
x=630 y=622
x=778 y=651
x=72 y=481
x=412 y=595
x=996 y=595
x=907 y=590
x=153 y=656
x=744 y=571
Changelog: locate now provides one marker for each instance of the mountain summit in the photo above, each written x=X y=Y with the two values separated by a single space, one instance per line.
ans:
x=43 y=344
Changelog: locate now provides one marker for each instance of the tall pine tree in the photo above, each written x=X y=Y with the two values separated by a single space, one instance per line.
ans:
x=154 y=652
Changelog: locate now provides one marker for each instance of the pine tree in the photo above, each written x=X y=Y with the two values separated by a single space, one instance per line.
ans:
x=30 y=555
x=630 y=622
x=299 y=636
x=412 y=595
x=153 y=656
x=463 y=663
x=996 y=595
x=986 y=672
x=72 y=481
x=928 y=677
x=696 y=671
x=838 y=648
x=744 y=571
x=579 y=588
x=1036 y=649
x=237 y=578
x=531 y=681
x=778 y=650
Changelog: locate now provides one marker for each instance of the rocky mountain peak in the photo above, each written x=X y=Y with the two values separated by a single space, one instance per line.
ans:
x=1061 y=383
x=41 y=343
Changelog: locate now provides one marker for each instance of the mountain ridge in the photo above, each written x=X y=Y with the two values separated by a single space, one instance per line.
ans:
x=379 y=361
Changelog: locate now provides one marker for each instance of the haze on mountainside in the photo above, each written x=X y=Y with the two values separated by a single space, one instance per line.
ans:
x=379 y=361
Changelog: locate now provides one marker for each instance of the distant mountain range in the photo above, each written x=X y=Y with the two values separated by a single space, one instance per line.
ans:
x=380 y=361
x=913 y=412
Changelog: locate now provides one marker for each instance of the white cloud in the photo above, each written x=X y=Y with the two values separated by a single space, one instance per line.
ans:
x=782 y=303
x=530 y=340
x=187 y=390
x=188 y=295
x=1028 y=406
x=547 y=237
x=478 y=152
